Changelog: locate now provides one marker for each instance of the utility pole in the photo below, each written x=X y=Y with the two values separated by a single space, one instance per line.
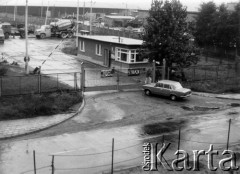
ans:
x=41 y=8
x=91 y=19
x=26 y=38
x=46 y=14
x=83 y=11
x=77 y=23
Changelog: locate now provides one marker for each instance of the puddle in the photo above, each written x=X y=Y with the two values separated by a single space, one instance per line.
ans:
x=162 y=127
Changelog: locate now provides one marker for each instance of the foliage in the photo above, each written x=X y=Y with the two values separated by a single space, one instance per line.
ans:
x=216 y=26
x=3 y=71
x=167 y=35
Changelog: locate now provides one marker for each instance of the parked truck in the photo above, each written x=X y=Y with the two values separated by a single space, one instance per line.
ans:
x=60 y=28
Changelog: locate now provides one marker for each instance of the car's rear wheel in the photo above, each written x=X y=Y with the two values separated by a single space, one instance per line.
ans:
x=173 y=97
x=147 y=92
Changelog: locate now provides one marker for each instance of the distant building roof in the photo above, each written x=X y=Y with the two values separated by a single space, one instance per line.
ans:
x=114 y=39
x=120 y=17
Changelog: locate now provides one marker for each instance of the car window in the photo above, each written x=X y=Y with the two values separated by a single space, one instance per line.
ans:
x=167 y=86
x=161 y=85
x=177 y=86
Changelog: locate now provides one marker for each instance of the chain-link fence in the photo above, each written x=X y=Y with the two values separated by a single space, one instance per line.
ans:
x=114 y=79
x=16 y=85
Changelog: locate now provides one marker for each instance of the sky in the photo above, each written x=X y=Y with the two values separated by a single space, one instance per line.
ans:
x=192 y=5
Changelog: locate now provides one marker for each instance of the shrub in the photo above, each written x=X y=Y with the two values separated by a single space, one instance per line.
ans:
x=3 y=71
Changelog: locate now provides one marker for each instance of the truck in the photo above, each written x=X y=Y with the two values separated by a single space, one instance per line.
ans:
x=21 y=30
x=60 y=28
x=7 y=29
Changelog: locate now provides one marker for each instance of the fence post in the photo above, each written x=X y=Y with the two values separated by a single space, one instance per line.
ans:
x=164 y=69
x=179 y=137
x=52 y=165
x=20 y=90
x=82 y=77
x=112 y=155
x=229 y=126
x=75 y=81
x=118 y=79
x=39 y=83
x=168 y=73
x=1 y=88
x=57 y=81
x=34 y=162
x=154 y=71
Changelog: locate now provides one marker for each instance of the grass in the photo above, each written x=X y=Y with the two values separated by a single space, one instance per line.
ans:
x=29 y=106
x=15 y=106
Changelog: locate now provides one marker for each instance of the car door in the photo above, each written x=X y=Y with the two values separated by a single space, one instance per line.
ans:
x=48 y=31
x=158 y=88
x=166 y=90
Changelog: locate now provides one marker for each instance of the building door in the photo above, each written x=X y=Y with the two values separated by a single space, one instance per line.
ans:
x=106 y=58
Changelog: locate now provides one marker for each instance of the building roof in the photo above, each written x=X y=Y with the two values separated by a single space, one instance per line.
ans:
x=120 y=17
x=113 y=39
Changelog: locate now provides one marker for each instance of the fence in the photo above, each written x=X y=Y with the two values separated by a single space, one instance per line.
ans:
x=16 y=85
x=109 y=154
x=114 y=79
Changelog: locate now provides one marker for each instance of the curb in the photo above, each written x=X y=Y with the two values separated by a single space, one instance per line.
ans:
x=229 y=98
x=49 y=126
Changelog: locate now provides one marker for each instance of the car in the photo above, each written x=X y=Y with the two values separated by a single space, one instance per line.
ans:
x=2 y=36
x=167 y=88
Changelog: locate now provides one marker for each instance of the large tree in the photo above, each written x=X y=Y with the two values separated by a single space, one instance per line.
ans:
x=205 y=25
x=167 y=35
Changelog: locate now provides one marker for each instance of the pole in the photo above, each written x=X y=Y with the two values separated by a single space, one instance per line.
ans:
x=46 y=14
x=179 y=137
x=41 y=8
x=83 y=11
x=229 y=126
x=77 y=23
x=112 y=155
x=52 y=165
x=26 y=38
x=154 y=71
x=91 y=19
x=34 y=162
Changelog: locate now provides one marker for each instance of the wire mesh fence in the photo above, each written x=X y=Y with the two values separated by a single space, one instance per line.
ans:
x=114 y=79
x=30 y=84
x=118 y=155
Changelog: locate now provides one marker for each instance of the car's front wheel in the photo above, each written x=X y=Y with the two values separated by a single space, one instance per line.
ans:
x=147 y=92
x=173 y=97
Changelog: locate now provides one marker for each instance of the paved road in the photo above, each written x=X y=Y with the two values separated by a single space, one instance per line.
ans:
x=131 y=119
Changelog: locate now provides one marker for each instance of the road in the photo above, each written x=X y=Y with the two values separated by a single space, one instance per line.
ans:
x=83 y=144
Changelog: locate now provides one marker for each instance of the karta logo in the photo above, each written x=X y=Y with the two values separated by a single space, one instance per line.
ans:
x=152 y=157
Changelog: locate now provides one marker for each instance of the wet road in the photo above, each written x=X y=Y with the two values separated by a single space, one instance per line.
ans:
x=79 y=151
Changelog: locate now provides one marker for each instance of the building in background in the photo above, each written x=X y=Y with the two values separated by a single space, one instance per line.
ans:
x=117 y=21
x=111 y=51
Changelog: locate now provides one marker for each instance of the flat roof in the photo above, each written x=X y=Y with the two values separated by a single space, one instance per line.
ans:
x=120 y=17
x=113 y=39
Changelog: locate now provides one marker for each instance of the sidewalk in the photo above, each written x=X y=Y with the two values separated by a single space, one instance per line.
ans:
x=14 y=128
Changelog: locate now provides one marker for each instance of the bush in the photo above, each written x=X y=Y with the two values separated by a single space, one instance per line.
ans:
x=3 y=71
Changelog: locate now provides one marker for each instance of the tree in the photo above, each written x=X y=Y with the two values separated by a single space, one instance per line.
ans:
x=205 y=26
x=167 y=35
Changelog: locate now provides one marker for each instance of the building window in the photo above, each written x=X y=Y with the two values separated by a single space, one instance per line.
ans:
x=99 y=49
x=129 y=56
x=82 y=46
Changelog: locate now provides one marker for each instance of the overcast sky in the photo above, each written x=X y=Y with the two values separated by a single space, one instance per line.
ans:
x=192 y=5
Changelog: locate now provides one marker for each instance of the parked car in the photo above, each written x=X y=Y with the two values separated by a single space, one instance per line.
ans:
x=167 y=88
x=2 y=36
